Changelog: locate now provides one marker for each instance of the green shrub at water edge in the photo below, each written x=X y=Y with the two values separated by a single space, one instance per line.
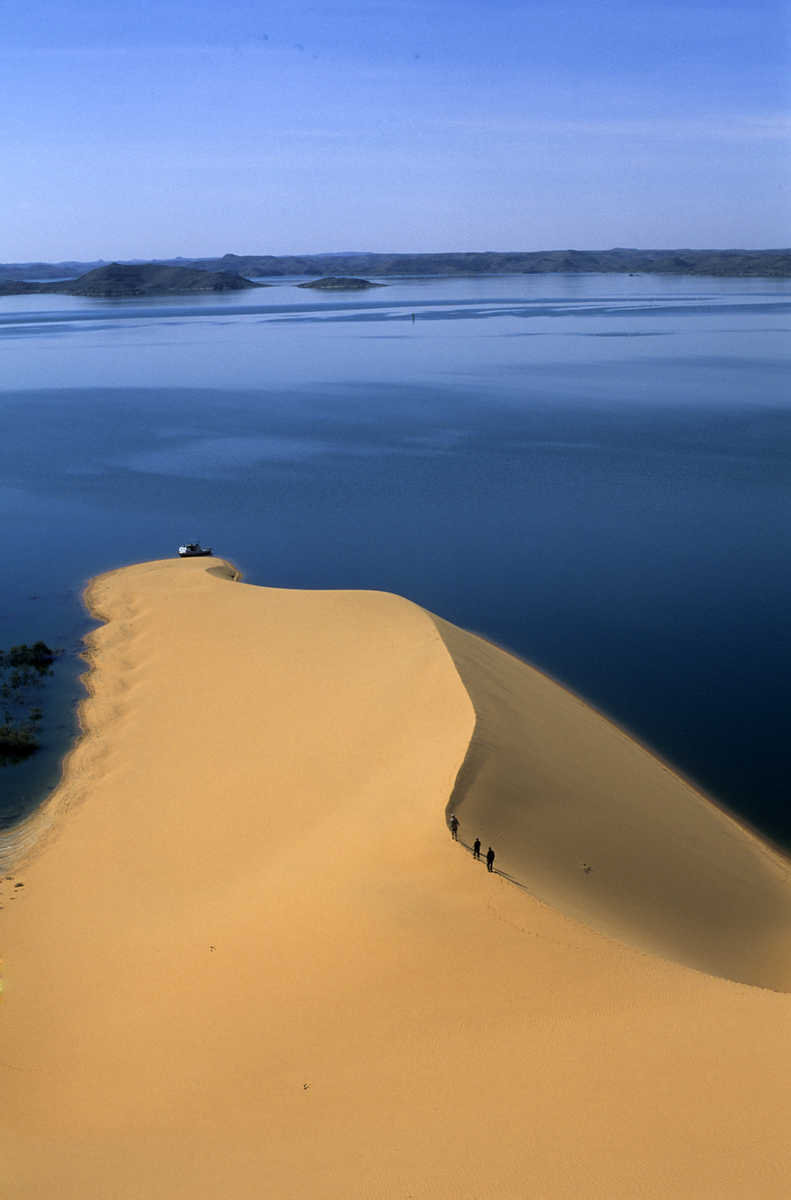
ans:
x=16 y=742
x=22 y=669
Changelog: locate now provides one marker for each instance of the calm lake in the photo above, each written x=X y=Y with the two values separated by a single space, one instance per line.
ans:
x=592 y=471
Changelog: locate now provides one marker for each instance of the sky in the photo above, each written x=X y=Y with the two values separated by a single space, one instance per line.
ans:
x=157 y=128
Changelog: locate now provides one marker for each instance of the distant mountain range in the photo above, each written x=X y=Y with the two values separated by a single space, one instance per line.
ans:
x=775 y=263
x=234 y=271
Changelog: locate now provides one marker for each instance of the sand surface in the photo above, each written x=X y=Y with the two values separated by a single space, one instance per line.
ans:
x=248 y=959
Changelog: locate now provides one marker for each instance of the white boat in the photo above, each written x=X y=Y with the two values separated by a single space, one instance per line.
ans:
x=193 y=550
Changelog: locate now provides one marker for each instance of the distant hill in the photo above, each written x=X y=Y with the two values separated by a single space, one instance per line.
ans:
x=340 y=283
x=765 y=263
x=138 y=279
x=238 y=269
x=38 y=271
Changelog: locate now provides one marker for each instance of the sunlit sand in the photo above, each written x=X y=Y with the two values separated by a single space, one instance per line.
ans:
x=249 y=960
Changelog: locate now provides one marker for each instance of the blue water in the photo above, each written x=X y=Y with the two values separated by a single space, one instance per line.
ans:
x=591 y=470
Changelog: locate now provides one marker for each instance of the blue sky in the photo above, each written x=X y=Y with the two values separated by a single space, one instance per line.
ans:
x=193 y=127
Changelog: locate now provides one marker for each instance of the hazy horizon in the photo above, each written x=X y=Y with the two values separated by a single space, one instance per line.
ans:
x=194 y=129
x=243 y=253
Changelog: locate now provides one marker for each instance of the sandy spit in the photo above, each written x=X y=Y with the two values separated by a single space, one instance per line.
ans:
x=248 y=959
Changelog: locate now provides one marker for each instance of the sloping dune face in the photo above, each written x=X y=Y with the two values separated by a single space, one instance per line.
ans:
x=591 y=823
x=247 y=959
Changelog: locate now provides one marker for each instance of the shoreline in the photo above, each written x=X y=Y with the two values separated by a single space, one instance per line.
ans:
x=34 y=828
x=248 y=953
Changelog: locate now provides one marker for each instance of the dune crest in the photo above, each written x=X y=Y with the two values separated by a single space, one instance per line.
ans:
x=593 y=824
x=248 y=959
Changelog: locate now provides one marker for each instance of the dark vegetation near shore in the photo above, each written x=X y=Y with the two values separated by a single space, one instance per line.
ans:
x=232 y=271
x=22 y=673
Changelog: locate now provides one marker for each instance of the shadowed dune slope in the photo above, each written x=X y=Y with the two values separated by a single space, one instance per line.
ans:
x=248 y=959
x=590 y=822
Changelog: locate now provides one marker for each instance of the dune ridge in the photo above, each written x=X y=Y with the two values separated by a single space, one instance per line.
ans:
x=592 y=823
x=248 y=958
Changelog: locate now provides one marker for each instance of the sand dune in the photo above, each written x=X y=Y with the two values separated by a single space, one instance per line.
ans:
x=248 y=959
x=594 y=825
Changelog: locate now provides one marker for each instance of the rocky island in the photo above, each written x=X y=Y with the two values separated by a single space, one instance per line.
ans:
x=118 y=280
x=340 y=283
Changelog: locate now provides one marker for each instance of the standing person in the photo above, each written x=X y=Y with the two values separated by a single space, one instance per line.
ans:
x=454 y=827
x=476 y=848
x=490 y=859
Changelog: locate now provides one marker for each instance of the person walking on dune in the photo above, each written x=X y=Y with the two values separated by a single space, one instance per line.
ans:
x=476 y=848
x=490 y=859
x=454 y=827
